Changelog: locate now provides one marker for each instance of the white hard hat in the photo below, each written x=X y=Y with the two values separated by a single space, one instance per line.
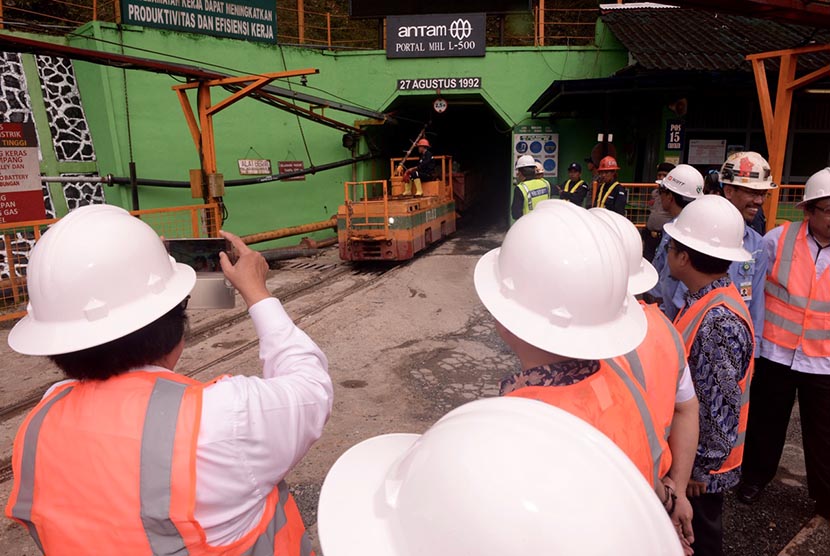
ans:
x=539 y=168
x=684 y=180
x=494 y=477
x=713 y=226
x=98 y=274
x=560 y=282
x=817 y=187
x=643 y=276
x=747 y=169
x=525 y=161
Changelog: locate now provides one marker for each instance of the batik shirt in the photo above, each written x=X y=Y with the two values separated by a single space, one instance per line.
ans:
x=719 y=357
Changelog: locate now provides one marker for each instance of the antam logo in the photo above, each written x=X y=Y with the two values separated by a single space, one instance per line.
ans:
x=746 y=167
x=460 y=29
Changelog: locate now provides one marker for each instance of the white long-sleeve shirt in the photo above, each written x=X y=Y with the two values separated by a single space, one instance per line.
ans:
x=255 y=429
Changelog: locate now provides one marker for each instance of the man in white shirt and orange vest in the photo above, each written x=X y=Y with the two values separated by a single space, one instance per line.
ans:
x=554 y=331
x=128 y=457
x=716 y=327
x=795 y=351
x=659 y=366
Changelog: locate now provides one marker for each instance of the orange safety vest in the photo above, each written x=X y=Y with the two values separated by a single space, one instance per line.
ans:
x=657 y=365
x=797 y=304
x=688 y=322
x=109 y=467
x=613 y=403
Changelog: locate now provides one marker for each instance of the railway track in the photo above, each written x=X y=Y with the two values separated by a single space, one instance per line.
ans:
x=364 y=278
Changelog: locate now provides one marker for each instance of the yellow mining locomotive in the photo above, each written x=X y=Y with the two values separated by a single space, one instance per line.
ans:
x=380 y=220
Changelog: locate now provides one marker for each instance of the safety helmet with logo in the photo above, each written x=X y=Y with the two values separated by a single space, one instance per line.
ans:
x=747 y=169
x=560 y=296
x=684 y=180
x=713 y=226
x=525 y=161
x=608 y=163
x=643 y=276
x=817 y=187
x=422 y=143
x=98 y=274
x=449 y=491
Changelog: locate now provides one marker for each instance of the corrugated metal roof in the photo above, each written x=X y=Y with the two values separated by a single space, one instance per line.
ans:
x=690 y=39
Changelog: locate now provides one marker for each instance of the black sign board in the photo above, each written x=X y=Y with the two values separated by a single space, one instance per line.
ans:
x=439 y=83
x=252 y=20
x=674 y=135
x=436 y=36
x=383 y=8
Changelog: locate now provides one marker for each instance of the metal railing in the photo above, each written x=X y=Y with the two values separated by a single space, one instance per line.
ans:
x=358 y=195
x=641 y=200
x=18 y=239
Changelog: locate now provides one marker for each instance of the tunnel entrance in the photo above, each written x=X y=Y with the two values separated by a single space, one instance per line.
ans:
x=472 y=133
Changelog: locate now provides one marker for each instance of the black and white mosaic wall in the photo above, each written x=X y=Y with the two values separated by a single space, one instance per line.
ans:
x=71 y=140
x=67 y=120
x=81 y=193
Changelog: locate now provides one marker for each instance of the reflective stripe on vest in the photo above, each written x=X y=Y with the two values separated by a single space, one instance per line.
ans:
x=797 y=303
x=646 y=416
x=156 y=491
x=22 y=508
x=533 y=196
x=653 y=349
x=568 y=189
x=604 y=198
x=157 y=444
x=688 y=322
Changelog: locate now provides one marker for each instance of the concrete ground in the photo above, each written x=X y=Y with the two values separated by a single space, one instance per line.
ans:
x=418 y=343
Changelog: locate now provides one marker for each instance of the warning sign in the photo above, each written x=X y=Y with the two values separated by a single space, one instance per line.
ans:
x=21 y=197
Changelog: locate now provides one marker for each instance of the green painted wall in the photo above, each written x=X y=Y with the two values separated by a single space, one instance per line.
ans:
x=162 y=147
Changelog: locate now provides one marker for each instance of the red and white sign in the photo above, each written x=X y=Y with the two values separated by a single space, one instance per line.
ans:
x=21 y=196
x=286 y=166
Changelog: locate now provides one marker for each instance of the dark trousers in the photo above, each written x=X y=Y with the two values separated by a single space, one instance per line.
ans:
x=772 y=394
x=707 y=524
x=651 y=240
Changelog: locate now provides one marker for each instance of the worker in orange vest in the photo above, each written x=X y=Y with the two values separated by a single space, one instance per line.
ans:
x=716 y=327
x=659 y=366
x=610 y=193
x=128 y=457
x=795 y=350
x=555 y=331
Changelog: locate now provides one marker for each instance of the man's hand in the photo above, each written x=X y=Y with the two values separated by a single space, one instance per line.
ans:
x=695 y=489
x=248 y=274
x=681 y=517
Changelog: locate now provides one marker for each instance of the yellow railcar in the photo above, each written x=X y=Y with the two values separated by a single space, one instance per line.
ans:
x=379 y=222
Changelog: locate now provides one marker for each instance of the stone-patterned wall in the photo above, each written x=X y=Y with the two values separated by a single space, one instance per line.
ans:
x=81 y=193
x=67 y=120
x=71 y=139
x=15 y=104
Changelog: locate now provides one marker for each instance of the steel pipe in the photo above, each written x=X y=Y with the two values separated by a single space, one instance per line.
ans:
x=291 y=231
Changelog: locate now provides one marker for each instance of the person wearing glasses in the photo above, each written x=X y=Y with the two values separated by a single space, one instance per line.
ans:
x=717 y=329
x=795 y=353
x=746 y=180
x=127 y=456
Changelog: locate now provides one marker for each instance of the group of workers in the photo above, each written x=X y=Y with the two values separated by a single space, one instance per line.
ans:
x=532 y=188
x=620 y=432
